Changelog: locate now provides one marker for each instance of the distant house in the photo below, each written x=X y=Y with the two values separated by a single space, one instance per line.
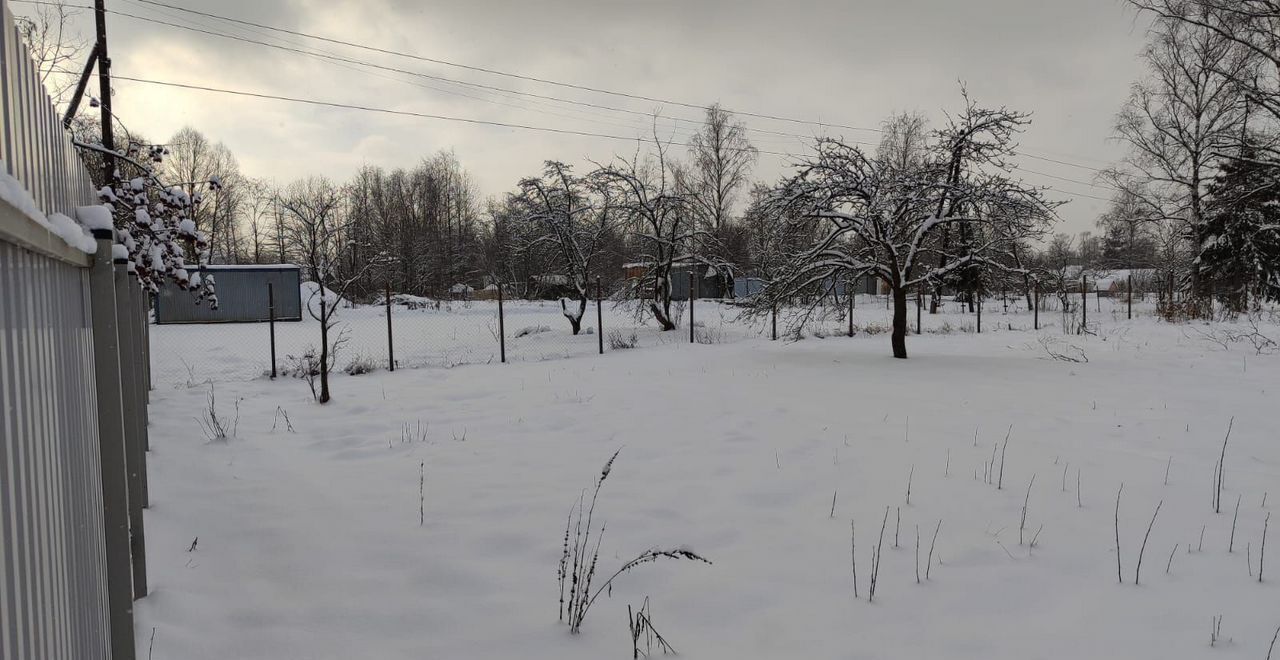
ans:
x=461 y=291
x=487 y=292
x=1115 y=283
x=707 y=281
x=551 y=287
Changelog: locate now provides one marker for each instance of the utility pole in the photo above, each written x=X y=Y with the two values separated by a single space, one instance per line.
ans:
x=104 y=92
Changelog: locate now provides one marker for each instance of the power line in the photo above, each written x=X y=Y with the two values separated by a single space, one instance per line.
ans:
x=346 y=60
x=496 y=72
x=490 y=88
x=409 y=113
x=546 y=81
x=467 y=120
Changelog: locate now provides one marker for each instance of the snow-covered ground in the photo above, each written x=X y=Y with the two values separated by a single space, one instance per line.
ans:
x=309 y=542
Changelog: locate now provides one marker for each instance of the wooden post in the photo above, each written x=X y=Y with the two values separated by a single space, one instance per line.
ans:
x=271 y=323
x=599 y=317
x=391 y=349
x=502 y=331
x=774 y=318
x=111 y=448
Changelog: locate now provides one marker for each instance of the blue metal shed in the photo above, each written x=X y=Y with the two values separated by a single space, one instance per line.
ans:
x=242 y=296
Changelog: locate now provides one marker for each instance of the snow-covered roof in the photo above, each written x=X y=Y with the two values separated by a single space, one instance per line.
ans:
x=461 y=288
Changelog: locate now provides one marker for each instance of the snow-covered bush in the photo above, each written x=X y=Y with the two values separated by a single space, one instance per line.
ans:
x=154 y=220
x=359 y=365
x=619 y=340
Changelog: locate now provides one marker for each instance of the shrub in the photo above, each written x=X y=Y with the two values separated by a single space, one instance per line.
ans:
x=360 y=365
x=619 y=340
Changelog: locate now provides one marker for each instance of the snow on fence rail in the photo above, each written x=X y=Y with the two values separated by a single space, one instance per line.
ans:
x=73 y=392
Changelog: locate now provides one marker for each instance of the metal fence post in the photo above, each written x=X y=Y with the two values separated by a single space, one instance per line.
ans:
x=978 y=294
x=1036 y=313
x=271 y=323
x=111 y=448
x=690 y=307
x=1084 y=304
x=502 y=331
x=774 y=318
x=919 y=308
x=391 y=350
x=599 y=317
x=136 y=457
x=139 y=370
x=850 y=293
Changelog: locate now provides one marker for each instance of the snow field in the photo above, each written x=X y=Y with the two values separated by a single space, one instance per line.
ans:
x=310 y=544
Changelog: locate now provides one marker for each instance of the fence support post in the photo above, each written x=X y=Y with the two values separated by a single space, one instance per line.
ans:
x=919 y=307
x=850 y=293
x=502 y=331
x=144 y=327
x=391 y=350
x=1036 y=313
x=1084 y=304
x=136 y=457
x=977 y=293
x=139 y=368
x=271 y=323
x=774 y=318
x=690 y=307
x=599 y=317
x=111 y=448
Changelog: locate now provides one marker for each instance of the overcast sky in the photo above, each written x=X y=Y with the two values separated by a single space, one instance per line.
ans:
x=1070 y=62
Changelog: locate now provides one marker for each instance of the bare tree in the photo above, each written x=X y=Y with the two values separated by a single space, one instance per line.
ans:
x=55 y=46
x=880 y=221
x=572 y=215
x=1128 y=219
x=1252 y=26
x=721 y=157
x=193 y=160
x=661 y=222
x=1181 y=120
x=317 y=230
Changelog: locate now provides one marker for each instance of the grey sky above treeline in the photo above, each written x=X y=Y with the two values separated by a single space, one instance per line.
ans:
x=1070 y=63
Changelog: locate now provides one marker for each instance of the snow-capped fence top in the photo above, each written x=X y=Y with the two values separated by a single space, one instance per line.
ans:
x=54 y=554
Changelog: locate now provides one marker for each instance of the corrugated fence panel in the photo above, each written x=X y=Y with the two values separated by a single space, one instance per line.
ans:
x=53 y=599
x=52 y=589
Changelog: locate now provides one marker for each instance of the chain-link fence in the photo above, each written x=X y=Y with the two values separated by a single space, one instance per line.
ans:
x=421 y=332
x=414 y=331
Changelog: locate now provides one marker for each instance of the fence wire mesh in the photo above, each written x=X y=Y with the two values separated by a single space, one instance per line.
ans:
x=446 y=333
